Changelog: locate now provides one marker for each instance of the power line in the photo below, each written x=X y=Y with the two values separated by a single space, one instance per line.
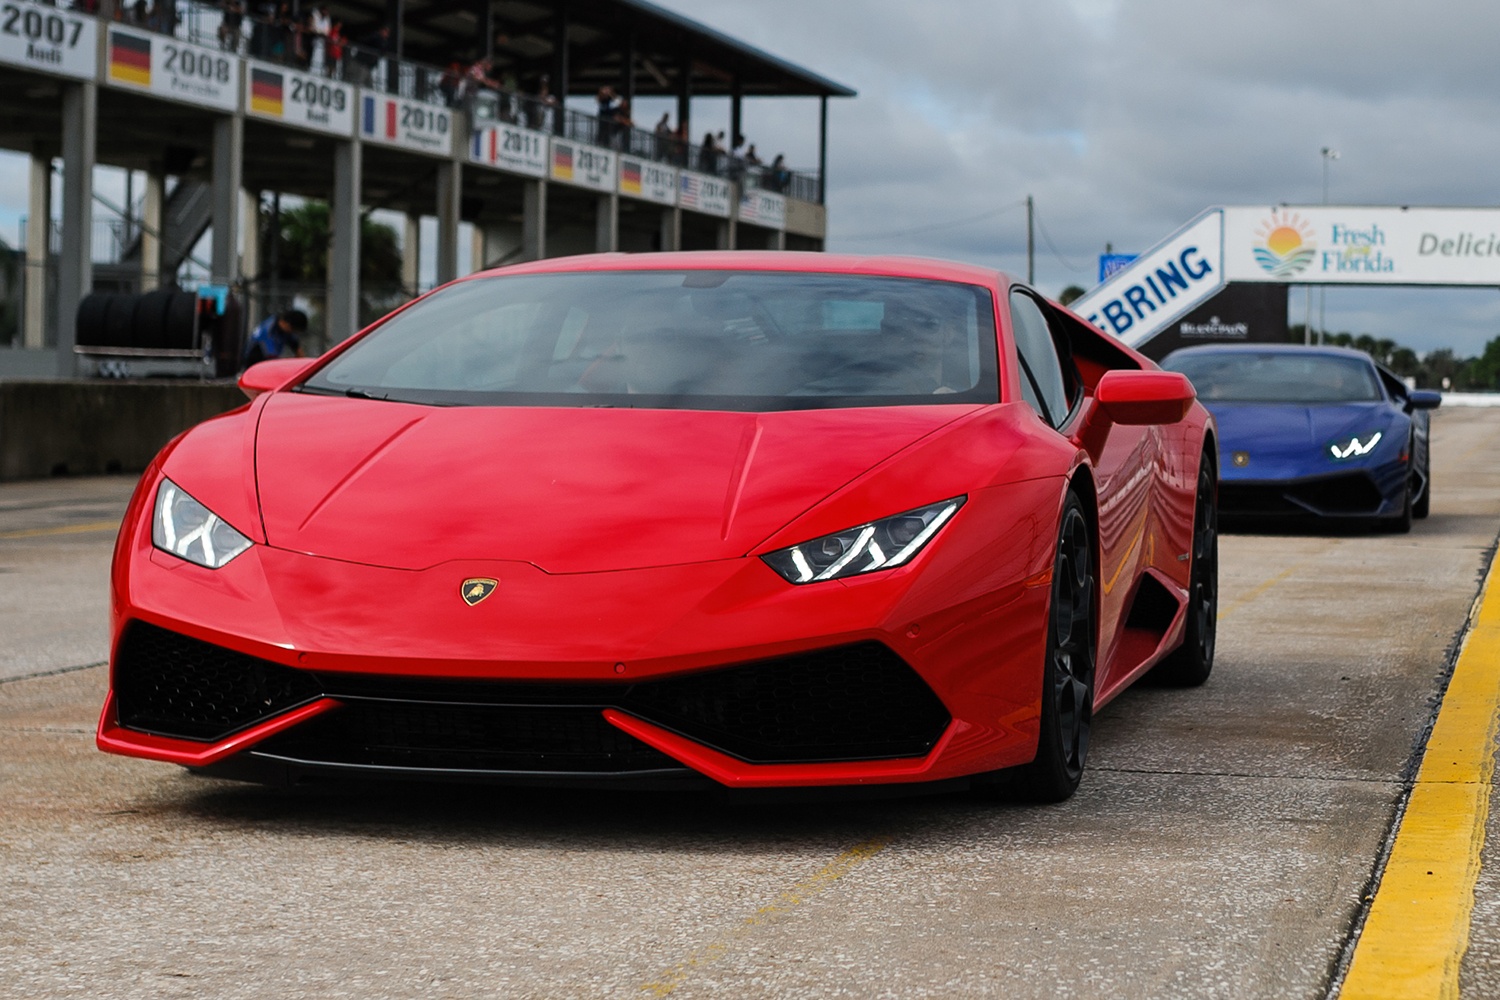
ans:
x=1053 y=247
x=935 y=226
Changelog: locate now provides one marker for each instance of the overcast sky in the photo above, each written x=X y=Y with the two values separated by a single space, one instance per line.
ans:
x=1125 y=120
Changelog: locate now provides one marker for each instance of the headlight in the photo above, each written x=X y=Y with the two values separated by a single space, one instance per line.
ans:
x=1354 y=447
x=187 y=529
x=878 y=545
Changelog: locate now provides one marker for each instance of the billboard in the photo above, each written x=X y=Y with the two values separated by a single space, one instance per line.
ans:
x=1370 y=245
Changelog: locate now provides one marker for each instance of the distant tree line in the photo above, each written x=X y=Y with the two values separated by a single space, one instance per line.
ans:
x=1440 y=369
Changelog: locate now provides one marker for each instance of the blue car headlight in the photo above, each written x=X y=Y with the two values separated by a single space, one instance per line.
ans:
x=1354 y=446
x=187 y=529
x=883 y=544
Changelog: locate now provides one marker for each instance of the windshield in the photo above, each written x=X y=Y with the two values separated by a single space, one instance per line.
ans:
x=1277 y=377
x=735 y=340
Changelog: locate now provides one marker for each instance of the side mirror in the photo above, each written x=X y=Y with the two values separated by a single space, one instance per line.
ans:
x=1424 y=399
x=270 y=375
x=1144 y=397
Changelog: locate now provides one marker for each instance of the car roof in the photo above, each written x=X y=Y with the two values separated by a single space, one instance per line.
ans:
x=763 y=260
x=1288 y=349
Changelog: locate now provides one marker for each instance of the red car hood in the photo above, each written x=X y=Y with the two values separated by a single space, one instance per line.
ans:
x=569 y=490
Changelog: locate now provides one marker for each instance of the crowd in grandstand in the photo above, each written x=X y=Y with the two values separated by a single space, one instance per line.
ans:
x=311 y=40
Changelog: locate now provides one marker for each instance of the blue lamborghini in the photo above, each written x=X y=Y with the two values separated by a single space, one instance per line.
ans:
x=1320 y=431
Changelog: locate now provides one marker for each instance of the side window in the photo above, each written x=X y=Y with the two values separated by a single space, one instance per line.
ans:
x=1042 y=381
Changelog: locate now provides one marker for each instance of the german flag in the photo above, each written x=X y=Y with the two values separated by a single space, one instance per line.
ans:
x=265 y=92
x=630 y=177
x=130 y=58
x=562 y=162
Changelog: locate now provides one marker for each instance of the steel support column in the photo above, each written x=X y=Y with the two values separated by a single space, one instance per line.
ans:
x=75 y=274
x=534 y=220
x=607 y=224
x=344 y=219
x=38 y=239
x=450 y=188
x=411 y=254
x=822 y=150
x=249 y=230
x=228 y=170
x=671 y=228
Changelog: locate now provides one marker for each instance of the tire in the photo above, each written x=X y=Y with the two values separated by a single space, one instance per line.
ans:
x=1423 y=506
x=1401 y=523
x=1190 y=664
x=1068 y=675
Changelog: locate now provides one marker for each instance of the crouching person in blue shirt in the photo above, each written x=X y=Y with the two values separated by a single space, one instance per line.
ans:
x=275 y=335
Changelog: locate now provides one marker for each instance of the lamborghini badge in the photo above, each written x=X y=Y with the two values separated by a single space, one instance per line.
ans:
x=476 y=589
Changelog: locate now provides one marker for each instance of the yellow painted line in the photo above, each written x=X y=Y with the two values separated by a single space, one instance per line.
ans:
x=1414 y=939
x=677 y=975
x=68 y=529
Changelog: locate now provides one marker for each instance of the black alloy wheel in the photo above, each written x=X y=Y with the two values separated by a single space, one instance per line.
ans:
x=1068 y=676
x=1401 y=523
x=1423 y=506
x=1190 y=664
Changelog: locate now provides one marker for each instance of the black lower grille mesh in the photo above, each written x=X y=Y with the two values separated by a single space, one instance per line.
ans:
x=849 y=703
x=1349 y=494
x=468 y=738
x=172 y=685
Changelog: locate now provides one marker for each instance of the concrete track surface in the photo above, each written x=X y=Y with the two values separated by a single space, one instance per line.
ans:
x=1224 y=842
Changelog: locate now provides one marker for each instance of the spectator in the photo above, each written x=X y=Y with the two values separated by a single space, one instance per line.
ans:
x=622 y=125
x=708 y=155
x=540 y=108
x=451 y=83
x=274 y=336
x=370 y=55
x=604 y=126
x=336 y=43
x=162 y=17
x=319 y=25
x=777 y=178
x=137 y=13
x=663 y=133
x=751 y=160
x=230 y=25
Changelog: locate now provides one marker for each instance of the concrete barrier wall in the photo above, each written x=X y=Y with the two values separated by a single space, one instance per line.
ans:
x=96 y=426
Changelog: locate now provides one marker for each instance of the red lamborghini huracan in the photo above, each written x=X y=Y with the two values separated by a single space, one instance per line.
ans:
x=754 y=519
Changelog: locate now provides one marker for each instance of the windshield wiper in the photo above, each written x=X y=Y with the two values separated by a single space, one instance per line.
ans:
x=362 y=394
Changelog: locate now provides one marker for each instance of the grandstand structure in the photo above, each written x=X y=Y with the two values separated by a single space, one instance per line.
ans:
x=220 y=118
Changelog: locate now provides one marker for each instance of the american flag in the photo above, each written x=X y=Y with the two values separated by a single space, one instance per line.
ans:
x=690 y=191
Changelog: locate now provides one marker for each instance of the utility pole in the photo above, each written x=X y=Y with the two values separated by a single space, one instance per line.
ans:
x=1329 y=155
x=1030 y=241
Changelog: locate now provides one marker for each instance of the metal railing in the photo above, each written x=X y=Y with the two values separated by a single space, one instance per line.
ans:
x=292 y=44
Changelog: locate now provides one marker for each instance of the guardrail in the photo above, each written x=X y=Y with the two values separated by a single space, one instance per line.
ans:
x=290 y=43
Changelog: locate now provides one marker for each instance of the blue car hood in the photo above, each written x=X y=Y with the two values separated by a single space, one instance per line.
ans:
x=1285 y=441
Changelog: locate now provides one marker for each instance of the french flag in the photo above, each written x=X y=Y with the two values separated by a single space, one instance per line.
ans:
x=368 y=119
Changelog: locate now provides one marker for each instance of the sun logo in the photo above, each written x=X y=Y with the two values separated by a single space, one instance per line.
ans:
x=1286 y=245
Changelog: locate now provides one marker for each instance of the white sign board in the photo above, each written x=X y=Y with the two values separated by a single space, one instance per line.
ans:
x=510 y=147
x=763 y=208
x=648 y=180
x=703 y=193
x=1162 y=285
x=165 y=67
x=1361 y=246
x=414 y=125
x=586 y=166
x=294 y=98
x=49 y=39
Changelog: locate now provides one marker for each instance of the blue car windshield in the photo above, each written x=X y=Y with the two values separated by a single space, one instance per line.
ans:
x=1277 y=377
x=700 y=340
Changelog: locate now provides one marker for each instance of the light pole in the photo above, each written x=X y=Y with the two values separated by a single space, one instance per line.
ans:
x=1329 y=155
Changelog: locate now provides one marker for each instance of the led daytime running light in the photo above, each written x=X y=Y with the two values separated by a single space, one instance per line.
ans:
x=863 y=549
x=1354 y=447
